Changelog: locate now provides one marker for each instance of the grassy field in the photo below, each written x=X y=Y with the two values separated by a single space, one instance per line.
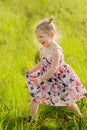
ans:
x=18 y=48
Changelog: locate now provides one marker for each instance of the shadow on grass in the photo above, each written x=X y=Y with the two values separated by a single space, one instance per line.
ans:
x=11 y=123
x=47 y=118
x=58 y=118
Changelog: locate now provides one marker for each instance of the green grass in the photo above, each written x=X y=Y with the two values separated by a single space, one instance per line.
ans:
x=19 y=52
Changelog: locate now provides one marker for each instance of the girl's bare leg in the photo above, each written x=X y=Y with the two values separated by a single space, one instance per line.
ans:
x=33 y=108
x=75 y=109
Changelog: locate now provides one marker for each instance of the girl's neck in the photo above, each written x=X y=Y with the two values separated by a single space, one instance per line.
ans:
x=49 y=44
x=47 y=50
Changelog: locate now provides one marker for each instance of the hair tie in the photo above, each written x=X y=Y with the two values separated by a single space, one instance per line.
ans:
x=50 y=20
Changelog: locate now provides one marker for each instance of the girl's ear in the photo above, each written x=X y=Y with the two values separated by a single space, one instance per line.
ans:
x=52 y=34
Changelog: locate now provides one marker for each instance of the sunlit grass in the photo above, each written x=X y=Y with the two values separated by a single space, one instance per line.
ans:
x=18 y=52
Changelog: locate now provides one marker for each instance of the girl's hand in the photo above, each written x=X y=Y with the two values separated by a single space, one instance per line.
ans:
x=37 y=81
x=28 y=72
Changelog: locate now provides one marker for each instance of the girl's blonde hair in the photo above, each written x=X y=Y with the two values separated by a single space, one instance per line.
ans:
x=46 y=25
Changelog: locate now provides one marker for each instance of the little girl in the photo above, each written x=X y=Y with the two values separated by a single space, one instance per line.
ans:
x=52 y=81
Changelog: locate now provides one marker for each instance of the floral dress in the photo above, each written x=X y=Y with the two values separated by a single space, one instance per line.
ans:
x=63 y=89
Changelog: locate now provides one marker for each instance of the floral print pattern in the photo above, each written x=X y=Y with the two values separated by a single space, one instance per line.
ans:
x=63 y=89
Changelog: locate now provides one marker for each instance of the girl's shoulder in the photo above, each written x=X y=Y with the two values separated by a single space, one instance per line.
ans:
x=42 y=51
x=41 y=48
x=57 y=48
x=58 y=51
